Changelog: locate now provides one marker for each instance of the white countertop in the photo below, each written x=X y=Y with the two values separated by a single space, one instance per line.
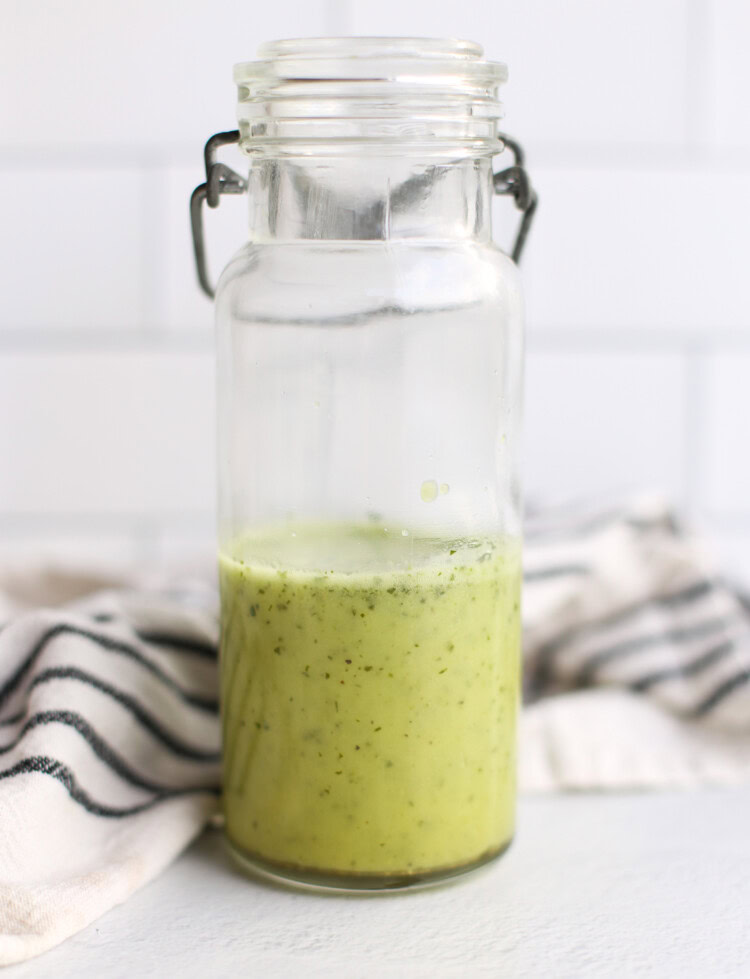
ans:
x=610 y=886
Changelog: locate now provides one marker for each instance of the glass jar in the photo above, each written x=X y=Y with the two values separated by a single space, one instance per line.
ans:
x=369 y=395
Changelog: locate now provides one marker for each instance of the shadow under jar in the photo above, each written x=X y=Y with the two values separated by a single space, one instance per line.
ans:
x=369 y=390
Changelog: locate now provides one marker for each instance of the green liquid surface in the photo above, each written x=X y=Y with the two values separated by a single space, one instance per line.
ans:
x=369 y=687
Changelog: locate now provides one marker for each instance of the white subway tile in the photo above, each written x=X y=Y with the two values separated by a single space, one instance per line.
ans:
x=600 y=425
x=632 y=248
x=727 y=462
x=71 y=252
x=731 y=70
x=125 y=433
x=580 y=71
x=136 y=72
x=225 y=228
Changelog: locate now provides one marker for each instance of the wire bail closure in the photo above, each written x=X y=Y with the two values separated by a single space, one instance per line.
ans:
x=220 y=179
x=514 y=181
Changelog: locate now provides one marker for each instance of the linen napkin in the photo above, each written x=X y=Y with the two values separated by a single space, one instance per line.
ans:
x=636 y=655
x=109 y=750
x=637 y=675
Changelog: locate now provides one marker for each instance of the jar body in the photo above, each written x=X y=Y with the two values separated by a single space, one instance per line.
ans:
x=369 y=408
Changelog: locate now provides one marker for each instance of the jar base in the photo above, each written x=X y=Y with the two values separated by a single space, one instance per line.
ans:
x=333 y=881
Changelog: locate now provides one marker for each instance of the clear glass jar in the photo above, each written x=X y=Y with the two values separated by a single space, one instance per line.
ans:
x=369 y=397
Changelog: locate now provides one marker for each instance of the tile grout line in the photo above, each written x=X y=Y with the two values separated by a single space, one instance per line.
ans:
x=633 y=339
x=94 y=522
x=154 y=336
x=149 y=338
x=694 y=432
x=700 y=115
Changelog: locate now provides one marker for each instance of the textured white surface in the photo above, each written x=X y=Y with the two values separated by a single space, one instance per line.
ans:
x=626 y=885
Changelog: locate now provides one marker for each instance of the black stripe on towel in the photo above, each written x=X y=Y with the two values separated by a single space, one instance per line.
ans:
x=140 y=713
x=12 y=720
x=556 y=571
x=98 y=745
x=181 y=643
x=687 y=669
x=111 y=645
x=543 y=672
x=56 y=769
x=690 y=593
x=639 y=644
x=743 y=597
x=663 y=521
x=724 y=689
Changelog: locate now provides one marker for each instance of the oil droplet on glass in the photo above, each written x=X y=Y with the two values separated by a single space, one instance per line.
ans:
x=444 y=488
x=429 y=490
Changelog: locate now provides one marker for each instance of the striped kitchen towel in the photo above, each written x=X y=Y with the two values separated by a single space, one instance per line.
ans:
x=636 y=655
x=109 y=749
x=637 y=674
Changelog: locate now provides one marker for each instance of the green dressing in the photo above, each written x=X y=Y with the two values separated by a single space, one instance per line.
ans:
x=370 y=684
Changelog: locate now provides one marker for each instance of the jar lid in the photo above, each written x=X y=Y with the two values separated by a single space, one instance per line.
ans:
x=313 y=91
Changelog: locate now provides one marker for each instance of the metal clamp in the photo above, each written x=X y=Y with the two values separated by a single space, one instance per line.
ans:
x=220 y=179
x=515 y=182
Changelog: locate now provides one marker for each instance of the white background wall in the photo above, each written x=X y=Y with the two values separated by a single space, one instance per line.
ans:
x=635 y=120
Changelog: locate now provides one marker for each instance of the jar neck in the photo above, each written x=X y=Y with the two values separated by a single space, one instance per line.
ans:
x=366 y=198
